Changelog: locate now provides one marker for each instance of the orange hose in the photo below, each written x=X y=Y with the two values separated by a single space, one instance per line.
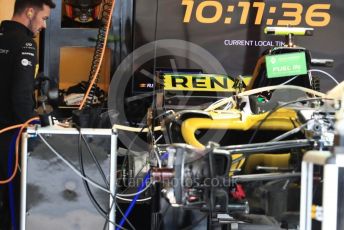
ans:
x=4 y=130
x=94 y=78
x=23 y=126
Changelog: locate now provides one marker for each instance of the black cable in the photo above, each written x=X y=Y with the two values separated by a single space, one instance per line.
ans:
x=94 y=158
x=87 y=188
x=93 y=200
x=274 y=110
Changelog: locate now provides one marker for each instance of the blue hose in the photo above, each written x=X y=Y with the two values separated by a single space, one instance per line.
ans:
x=164 y=156
x=10 y=185
x=132 y=203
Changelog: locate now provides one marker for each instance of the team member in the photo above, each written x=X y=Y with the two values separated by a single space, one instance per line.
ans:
x=18 y=59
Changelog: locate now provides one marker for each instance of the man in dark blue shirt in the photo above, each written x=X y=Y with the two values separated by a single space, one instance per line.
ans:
x=18 y=60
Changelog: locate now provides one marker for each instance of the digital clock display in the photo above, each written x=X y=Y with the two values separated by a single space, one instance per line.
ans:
x=281 y=14
x=233 y=31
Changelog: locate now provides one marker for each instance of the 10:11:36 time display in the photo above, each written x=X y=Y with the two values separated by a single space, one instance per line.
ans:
x=316 y=15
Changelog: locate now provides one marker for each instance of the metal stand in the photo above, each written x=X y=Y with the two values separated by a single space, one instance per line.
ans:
x=52 y=195
x=328 y=214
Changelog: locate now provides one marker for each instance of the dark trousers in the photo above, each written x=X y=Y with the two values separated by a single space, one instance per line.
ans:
x=6 y=207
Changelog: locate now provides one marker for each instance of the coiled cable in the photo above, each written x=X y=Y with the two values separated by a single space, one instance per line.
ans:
x=99 y=51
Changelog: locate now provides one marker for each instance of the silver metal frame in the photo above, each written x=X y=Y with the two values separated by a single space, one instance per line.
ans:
x=330 y=189
x=23 y=180
x=31 y=132
x=113 y=169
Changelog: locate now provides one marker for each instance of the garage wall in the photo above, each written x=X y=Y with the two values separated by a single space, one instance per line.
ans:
x=6 y=9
